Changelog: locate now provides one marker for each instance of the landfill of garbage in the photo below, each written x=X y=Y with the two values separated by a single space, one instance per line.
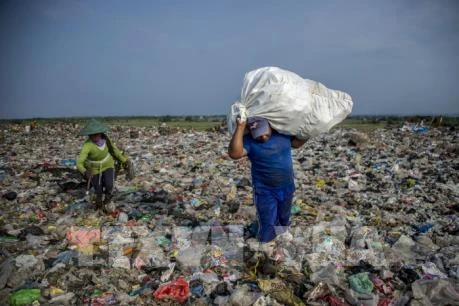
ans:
x=374 y=222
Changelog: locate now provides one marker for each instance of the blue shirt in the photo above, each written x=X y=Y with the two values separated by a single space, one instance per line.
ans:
x=271 y=160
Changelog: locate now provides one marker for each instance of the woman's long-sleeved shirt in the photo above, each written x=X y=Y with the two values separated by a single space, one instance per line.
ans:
x=97 y=159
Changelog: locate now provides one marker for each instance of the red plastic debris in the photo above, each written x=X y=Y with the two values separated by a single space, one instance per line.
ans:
x=177 y=290
x=334 y=301
x=386 y=301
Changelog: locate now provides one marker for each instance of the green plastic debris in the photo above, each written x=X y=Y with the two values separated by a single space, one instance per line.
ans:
x=295 y=209
x=127 y=190
x=24 y=297
x=196 y=202
x=163 y=241
x=8 y=238
x=96 y=292
x=146 y=217
x=361 y=283
x=409 y=183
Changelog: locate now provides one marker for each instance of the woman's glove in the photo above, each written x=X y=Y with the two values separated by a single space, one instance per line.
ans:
x=88 y=174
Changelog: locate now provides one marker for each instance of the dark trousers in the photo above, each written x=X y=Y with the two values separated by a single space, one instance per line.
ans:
x=104 y=183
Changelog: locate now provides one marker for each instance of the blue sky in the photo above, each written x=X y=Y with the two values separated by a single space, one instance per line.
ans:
x=102 y=58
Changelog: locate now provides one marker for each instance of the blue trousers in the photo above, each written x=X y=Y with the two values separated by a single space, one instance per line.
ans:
x=273 y=210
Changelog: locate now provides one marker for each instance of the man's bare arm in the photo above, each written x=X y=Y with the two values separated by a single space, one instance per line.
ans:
x=236 y=148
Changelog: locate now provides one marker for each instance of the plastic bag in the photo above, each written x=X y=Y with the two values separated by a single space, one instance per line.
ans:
x=280 y=291
x=84 y=239
x=130 y=170
x=436 y=292
x=243 y=296
x=177 y=290
x=65 y=257
x=292 y=105
x=237 y=110
x=26 y=261
x=24 y=297
x=361 y=283
x=104 y=299
x=6 y=268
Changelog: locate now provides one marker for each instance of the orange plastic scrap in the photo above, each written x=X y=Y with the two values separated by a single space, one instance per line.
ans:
x=177 y=290
x=128 y=251
x=83 y=237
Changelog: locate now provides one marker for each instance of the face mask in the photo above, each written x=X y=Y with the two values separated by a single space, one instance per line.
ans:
x=100 y=142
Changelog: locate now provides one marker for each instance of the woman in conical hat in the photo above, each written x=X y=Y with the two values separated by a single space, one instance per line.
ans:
x=97 y=161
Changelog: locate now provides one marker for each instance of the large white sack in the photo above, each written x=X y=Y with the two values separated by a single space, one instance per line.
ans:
x=292 y=105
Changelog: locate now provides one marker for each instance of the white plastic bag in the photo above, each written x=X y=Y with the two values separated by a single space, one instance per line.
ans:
x=237 y=110
x=292 y=105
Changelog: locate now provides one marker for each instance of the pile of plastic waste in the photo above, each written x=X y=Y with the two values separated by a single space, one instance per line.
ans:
x=374 y=222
